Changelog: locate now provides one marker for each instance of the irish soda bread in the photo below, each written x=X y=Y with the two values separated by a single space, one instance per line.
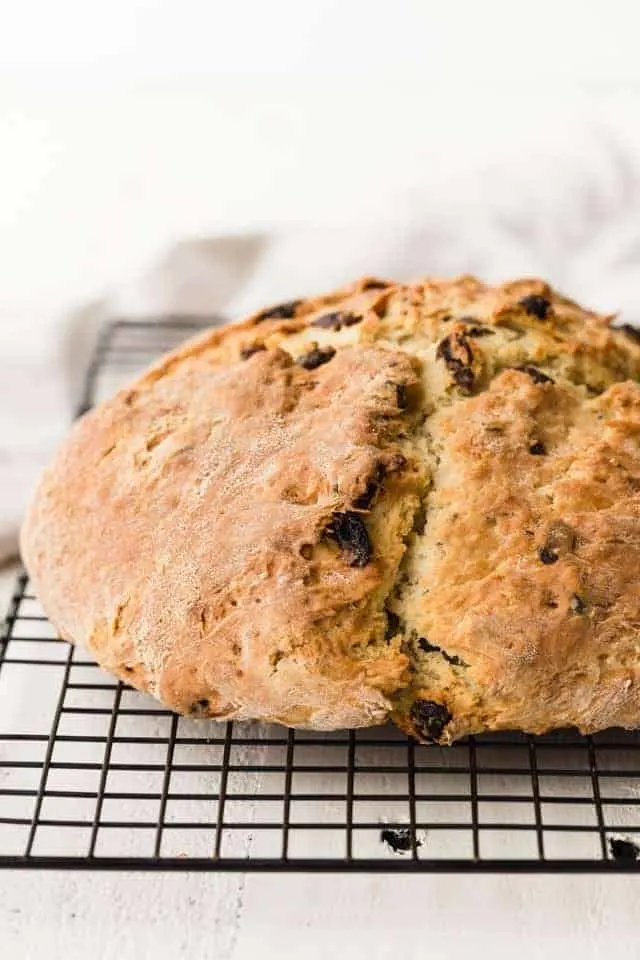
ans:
x=419 y=502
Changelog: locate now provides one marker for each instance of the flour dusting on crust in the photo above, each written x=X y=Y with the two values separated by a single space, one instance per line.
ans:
x=411 y=501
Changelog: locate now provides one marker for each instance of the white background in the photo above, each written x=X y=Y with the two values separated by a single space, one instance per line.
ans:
x=127 y=125
x=130 y=123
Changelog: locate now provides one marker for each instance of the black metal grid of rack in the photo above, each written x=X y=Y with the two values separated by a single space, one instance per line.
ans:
x=94 y=775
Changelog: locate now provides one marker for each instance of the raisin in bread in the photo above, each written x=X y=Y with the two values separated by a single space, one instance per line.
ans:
x=418 y=502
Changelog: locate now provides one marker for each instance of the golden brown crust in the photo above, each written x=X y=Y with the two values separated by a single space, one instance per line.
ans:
x=419 y=501
x=199 y=564
x=528 y=571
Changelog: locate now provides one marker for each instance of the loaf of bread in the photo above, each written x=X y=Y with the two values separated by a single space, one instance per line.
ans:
x=418 y=502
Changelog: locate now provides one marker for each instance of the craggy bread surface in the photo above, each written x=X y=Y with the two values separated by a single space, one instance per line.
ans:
x=410 y=501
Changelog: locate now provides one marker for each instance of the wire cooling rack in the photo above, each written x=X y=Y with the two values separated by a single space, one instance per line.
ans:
x=95 y=775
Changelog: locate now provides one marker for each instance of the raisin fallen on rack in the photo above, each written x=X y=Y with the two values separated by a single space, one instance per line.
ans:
x=457 y=354
x=429 y=718
x=351 y=534
x=623 y=849
x=316 y=357
x=536 y=375
x=283 y=311
x=398 y=838
x=536 y=305
x=336 y=320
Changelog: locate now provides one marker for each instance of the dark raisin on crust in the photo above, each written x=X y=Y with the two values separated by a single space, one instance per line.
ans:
x=349 y=530
x=547 y=555
x=458 y=357
x=536 y=375
x=419 y=520
x=398 y=839
x=283 y=311
x=577 y=604
x=364 y=501
x=427 y=647
x=453 y=660
x=536 y=305
x=397 y=462
x=249 y=351
x=316 y=357
x=393 y=625
x=560 y=538
x=429 y=719
x=623 y=849
x=402 y=397
x=329 y=321
x=633 y=332
x=538 y=449
x=336 y=320
x=376 y=285
x=479 y=332
x=366 y=498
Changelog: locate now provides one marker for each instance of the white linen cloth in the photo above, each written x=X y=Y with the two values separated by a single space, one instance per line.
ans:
x=576 y=224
